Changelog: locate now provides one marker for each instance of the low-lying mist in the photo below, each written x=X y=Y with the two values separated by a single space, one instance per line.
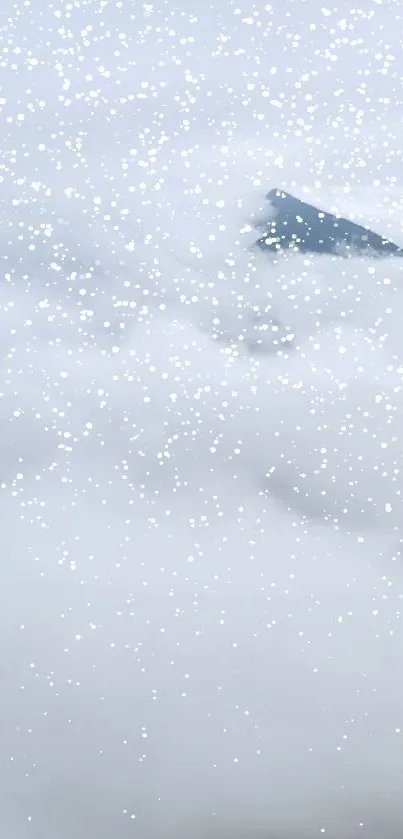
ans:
x=201 y=446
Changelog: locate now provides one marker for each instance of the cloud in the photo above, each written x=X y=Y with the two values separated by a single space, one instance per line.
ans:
x=200 y=457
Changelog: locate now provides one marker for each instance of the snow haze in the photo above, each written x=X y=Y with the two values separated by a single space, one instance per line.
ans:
x=201 y=472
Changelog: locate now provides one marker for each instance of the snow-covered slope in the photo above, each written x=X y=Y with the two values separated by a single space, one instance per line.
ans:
x=201 y=577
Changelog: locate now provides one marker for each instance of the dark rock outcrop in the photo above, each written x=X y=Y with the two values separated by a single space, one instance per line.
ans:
x=297 y=226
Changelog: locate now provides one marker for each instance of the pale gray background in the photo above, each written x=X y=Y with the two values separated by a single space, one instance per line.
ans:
x=201 y=578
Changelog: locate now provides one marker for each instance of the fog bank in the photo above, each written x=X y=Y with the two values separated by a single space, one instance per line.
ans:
x=201 y=481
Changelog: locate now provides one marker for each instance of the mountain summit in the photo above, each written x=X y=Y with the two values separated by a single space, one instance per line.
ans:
x=298 y=226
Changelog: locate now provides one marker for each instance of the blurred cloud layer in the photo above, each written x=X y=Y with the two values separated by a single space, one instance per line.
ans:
x=201 y=482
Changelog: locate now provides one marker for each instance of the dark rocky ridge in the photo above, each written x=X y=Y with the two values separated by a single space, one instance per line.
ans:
x=298 y=226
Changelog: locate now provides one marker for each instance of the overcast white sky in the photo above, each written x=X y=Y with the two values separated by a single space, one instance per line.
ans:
x=201 y=577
